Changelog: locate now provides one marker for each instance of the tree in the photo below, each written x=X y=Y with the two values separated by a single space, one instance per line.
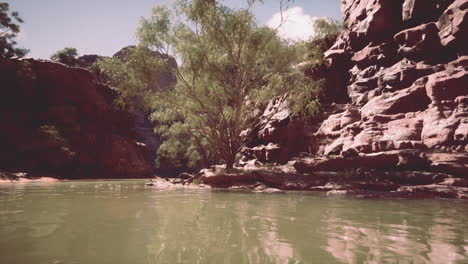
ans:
x=316 y=67
x=326 y=27
x=135 y=72
x=9 y=29
x=326 y=33
x=67 y=56
x=229 y=66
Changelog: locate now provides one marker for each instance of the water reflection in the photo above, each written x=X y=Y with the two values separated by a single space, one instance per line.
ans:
x=125 y=222
x=384 y=236
x=214 y=228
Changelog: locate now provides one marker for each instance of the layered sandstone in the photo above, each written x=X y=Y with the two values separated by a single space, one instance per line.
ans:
x=407 y=62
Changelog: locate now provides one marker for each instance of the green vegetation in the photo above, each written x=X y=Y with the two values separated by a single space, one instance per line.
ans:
x=229 y=65
x=67 y=56
x=316 y=67
x=135 y=73
x=230 y=68
x=327 y=31
x=9 y=29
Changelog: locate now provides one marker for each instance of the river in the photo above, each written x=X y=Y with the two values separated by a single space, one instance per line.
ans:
x=126 y=222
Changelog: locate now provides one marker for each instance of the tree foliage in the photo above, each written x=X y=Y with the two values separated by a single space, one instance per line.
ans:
x=326 y=26
x=135 y=72
x=67 y=56
x=9 y=29
x=230 y=68
x=228 y=64
x=308 y=98
x=327 y=31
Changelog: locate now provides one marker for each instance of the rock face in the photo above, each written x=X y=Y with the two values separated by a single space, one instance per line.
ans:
x=142 y=127
x=410 y=85
x=453 y=26
x=59 y=120
x=408 y=90
x=277 y=136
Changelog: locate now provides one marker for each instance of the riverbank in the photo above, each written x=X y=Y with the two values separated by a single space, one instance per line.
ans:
x=24 y=180
x=359 y=182
x=362 y=183
x=22 y=177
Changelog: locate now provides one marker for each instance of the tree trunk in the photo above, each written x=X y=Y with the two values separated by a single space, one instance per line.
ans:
x=230 y=162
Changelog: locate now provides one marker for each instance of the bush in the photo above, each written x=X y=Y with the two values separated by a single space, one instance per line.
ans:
x=67 y=56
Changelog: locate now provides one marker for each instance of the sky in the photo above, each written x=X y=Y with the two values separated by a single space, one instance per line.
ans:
x=103 y=27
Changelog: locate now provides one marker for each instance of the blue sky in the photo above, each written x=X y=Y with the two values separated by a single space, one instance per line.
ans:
x=105 y=26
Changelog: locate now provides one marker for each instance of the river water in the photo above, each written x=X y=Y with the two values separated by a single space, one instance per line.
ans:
x=126 y=222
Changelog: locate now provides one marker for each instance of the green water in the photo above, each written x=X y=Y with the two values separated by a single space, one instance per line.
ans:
x=126 y=222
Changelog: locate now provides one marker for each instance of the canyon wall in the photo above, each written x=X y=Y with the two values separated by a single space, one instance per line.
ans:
x=407 y=68
x=58 y=120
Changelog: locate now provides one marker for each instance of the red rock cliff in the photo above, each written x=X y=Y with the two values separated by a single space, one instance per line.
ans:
x=408 y=93
x=58 y=120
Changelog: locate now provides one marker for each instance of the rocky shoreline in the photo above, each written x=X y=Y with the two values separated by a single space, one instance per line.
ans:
x=358 y=183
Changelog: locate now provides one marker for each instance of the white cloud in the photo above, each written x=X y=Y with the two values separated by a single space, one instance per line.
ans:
x=297 y=25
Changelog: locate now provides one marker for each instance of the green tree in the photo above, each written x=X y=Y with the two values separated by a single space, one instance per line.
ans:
x=325 y=27
x=326 y=33
x=67 y=56
x=229 y=66
x=9 y=29
x=307 y=102
x=135 y=73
